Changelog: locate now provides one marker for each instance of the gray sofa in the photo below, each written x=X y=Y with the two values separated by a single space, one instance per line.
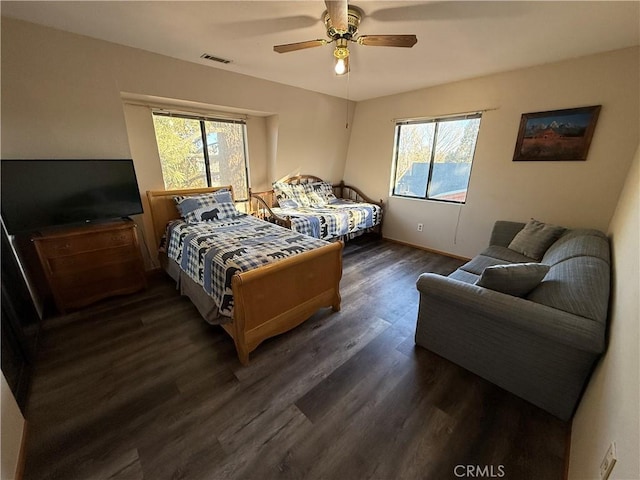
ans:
x=541 y=346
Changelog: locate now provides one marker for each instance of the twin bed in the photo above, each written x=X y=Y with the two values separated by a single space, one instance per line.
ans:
x=254 y=278
x=346 y=214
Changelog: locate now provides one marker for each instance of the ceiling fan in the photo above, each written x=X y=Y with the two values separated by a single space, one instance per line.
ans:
x=342 y=22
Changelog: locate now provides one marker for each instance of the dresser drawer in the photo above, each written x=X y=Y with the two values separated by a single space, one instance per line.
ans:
x=75 y=291
x=74 y=244
x=90 y=260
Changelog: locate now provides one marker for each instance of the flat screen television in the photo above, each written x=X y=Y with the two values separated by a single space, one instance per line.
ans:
x=38 y=194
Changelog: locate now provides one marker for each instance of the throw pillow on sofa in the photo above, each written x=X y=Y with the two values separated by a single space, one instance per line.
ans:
x=516 y=279
x=535 y=238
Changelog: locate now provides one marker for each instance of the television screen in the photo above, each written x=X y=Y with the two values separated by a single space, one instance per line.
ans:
x=46 y=193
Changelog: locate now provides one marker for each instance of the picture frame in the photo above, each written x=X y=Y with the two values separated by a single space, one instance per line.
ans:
x=556 y=135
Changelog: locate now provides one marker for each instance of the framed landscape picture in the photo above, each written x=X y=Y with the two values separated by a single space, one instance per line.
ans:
x=556 y=135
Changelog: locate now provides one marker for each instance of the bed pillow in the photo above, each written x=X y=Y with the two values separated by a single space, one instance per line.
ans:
x=300 y=196
x=325 y=190
x=287 y=203
x=535 y=239
x=516 y=279
x=283 y=192
x=206 y=207
x=287 y=191
x=314 y=196
x=221 y=196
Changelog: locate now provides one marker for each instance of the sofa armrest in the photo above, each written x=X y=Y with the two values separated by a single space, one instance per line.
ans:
x=513 y=312
x=504 y=231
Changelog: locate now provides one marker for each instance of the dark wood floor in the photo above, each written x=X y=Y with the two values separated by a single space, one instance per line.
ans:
x=141 y=387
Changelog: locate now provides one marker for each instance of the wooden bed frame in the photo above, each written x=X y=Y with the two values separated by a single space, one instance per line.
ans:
x=262 y=202
x=271 y=299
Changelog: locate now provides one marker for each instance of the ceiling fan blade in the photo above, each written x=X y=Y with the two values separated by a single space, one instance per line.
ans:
x=406 y=41
x=338 y=12
x=292 y=47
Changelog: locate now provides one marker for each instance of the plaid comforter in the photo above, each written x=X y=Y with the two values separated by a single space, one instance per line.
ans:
x=212 y=252
x=333 y=220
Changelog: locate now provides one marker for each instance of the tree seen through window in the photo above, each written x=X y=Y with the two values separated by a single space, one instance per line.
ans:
x=186 y=164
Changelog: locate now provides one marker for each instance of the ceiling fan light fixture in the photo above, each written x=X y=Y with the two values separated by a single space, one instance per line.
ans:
x=341 y=66
x=341 y=54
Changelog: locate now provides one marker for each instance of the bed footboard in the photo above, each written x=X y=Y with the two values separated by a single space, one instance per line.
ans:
x=280 y=296
x=349 y=192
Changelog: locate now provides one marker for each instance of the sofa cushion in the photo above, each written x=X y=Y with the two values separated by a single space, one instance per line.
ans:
x=504 y=232
x=506 y=254
x=464 y=276
x=574 y=243
x=478 y=263
x=535 y=238
x=516 y=279
x=578 y=285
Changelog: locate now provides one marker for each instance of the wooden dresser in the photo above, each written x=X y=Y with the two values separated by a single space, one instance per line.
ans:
x=86 y=264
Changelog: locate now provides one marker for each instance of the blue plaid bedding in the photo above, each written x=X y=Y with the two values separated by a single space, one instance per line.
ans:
x=333 y=220
x=210 y=253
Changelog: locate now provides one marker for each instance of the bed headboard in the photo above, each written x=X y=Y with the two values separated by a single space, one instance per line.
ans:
x=163 y=207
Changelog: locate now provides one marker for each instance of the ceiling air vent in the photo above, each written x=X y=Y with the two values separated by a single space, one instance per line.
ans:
x=214 y=59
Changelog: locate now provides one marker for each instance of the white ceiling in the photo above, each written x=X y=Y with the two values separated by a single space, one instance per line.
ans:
x=456 y=40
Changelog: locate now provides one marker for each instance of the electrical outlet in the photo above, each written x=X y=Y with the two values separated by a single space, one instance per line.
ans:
x=608 y=462
x=420 y=227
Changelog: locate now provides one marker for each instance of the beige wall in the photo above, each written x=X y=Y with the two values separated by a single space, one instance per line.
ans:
x=62 y=98
x=12 y=430
x=574 y=194
x=610 y=408
x=144 y=151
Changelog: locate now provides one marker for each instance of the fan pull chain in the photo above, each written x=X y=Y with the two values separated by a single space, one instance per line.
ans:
x=347 y=119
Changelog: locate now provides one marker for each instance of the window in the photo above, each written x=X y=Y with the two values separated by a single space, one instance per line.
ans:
x=432 y=158
x=186 y=163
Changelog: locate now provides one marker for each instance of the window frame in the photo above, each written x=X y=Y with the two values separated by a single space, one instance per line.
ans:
x=436 y=121
x=205 y=151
